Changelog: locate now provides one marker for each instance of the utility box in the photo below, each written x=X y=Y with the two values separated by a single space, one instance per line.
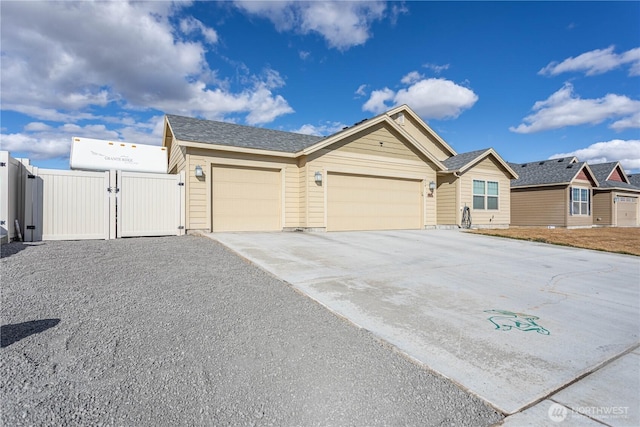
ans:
x=100 y=155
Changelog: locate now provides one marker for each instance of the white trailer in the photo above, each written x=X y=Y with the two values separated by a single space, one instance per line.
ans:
x=100 y=155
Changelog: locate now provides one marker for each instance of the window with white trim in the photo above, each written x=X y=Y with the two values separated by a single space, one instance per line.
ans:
x=580 y=203
x=485 y=195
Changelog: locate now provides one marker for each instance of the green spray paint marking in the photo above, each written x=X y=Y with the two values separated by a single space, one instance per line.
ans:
x=505 y=320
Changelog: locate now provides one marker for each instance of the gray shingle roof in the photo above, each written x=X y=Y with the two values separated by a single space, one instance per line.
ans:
x=602 y=172
x=634 y=179
x=222 y=133
x=545 y=172
x=460 y=160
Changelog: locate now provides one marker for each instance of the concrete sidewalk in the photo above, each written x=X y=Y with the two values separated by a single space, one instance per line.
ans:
x=522 y=325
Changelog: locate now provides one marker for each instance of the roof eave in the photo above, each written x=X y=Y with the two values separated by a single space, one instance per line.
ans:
x=235 y=149
x=407 y=109
x=383 y=118
x=485 y=154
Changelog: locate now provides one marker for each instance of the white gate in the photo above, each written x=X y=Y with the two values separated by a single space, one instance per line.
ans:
x=150 y=204
x=66 y=205
x=76 y=205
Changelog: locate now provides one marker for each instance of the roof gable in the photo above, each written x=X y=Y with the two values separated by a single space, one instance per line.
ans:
x=403 y=112
x=212 y=132
x=611 y=171
x=366 y=124
x=465 y=161
x=560 y=171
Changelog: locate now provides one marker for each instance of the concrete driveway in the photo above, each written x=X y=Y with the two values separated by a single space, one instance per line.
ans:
x=510 y=321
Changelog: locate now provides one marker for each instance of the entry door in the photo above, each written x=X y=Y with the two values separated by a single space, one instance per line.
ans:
x=246 y=199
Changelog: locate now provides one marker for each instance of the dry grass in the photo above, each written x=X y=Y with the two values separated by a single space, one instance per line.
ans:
x=620 y=240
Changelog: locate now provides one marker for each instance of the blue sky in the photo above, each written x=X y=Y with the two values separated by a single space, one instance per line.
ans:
x=533 y=80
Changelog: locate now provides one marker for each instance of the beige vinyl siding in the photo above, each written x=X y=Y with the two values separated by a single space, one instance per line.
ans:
x=302 y=196
x=177 y=158
x=198 y=215
x=542 y=206
x=350 y=163
x=603 y=208
x=379 y=140
x=428 y=141
x=447 y=200
x=487 y=169
x=361 y=202
x=291 y=196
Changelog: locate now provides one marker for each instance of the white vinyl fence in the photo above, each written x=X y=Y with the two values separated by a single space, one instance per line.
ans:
x=150 y=204
x=11 y=193
x=75 y=205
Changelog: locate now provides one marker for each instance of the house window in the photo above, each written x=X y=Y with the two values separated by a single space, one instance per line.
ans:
x=485 y=195
x=580 y=201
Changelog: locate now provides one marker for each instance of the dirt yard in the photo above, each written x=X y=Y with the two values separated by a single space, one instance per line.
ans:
x=620 y=240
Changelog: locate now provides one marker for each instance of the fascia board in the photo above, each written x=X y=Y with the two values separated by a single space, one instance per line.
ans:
x=406 y=109
x=235 y=149
x=383 y=118
x=496 y=156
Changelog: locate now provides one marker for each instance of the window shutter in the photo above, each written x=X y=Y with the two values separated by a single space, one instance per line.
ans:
x=570 y=200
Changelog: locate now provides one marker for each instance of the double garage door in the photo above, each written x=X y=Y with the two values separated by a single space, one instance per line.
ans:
x=250 y=199
x=361 y=202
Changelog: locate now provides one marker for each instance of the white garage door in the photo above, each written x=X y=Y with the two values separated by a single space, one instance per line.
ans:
x=246 y=199
x=627 y=211
x=359 y=202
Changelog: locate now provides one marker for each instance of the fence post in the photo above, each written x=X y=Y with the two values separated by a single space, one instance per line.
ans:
x=112 y=197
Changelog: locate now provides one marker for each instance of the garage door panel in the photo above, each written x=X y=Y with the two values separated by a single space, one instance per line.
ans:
x=627 y=211
x=246 y=199
x=358 y=202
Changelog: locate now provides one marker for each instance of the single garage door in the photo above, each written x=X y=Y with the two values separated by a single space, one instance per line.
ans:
x=360 y=202
x=246 y=199
x=627 y=211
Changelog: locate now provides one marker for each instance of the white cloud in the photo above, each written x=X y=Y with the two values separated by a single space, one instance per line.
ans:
x=411 y=78
x=595 y=62
x=325 y=129
x=361 y=91
x=62 y=59
x=343 y=24
x=436 y=68
x=430 y=98
x=563 y=108
x=627 y=152
x=378 y=99
x=41 y=141
x=304 y=55
x=191 y=25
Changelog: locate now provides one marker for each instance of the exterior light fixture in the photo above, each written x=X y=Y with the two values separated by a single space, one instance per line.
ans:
x=432 y=186
x=318 y=177
x=199 y=172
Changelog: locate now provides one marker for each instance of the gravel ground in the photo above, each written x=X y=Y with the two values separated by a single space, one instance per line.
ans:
x=181 y=331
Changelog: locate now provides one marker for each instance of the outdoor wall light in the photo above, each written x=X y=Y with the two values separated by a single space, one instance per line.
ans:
x=199 y=172
x=318 y=177
x=432 y=186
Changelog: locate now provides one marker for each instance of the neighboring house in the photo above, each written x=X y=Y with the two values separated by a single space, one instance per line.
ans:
x=615 y=200
x=388 y=172
x=556 y=192
x=634 y=179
